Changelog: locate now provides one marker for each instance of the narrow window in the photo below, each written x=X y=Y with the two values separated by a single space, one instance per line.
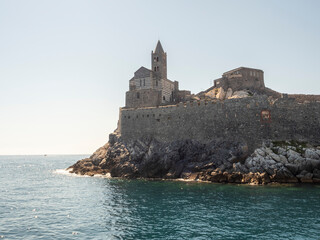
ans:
x=158 y=68
x=157 y=83
x=144 y=82
x=157 y=59
x=164 y=98
x=155 y=69
x=138 y=95
x=140 y=83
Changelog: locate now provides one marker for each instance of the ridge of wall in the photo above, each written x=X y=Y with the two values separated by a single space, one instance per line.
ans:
x=249 y=120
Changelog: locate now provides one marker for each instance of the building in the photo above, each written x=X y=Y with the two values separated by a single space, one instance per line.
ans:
x=242 y=78
x=150 y=88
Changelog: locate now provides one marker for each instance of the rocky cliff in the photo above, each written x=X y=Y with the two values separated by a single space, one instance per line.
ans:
x=216 y=161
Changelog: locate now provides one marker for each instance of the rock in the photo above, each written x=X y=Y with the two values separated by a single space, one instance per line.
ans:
x=293 y=156
x=311 y=153
x=283 y=175
x=275 y=157
x=221 y=94
x=259 y=152
x=240 y=94
x=216 y=161
x=282 y=151
x=316 y=173
x=305 y=177
x=283 y=159
x=293 y=168
x=229 y=93
x=268 y=151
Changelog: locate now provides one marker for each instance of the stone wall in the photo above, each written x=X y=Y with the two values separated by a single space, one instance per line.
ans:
x=240 y=79
x=143 y=98
x=251 y=119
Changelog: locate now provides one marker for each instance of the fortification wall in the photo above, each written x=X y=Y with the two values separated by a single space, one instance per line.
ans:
x=252 y=120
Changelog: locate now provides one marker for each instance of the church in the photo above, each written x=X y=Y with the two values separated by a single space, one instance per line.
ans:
x=151 y=87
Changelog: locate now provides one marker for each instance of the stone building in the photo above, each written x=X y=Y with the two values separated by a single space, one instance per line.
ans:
x=242 y=78
x=150 y=88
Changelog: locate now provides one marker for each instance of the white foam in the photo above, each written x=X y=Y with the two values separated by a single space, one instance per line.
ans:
x=68 y=173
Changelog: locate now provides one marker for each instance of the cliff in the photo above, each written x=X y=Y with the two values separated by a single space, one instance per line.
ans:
x=216 y=161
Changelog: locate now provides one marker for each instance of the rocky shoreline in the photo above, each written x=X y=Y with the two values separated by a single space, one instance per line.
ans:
x=217 y=161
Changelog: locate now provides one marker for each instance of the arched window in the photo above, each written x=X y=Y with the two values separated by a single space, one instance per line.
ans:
x=164 y=98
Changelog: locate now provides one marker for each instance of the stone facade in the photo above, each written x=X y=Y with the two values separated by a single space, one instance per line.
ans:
x=152 y=87
x=156 y=108
x=249 y=120
x=242 y=78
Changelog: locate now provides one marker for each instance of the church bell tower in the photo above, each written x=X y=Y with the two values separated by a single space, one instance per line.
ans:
x=159 y=61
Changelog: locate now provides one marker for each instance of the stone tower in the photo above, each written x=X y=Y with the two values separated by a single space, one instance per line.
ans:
x=159 y=62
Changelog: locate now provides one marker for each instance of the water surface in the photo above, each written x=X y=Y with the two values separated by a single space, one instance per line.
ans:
x=36 y=202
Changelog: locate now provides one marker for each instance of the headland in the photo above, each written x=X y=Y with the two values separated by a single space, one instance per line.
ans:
x=237 y=131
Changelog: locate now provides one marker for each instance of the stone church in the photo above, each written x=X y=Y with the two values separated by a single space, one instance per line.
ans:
x=150 y=88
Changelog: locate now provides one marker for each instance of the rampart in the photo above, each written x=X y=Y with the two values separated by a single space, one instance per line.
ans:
x=249 y=120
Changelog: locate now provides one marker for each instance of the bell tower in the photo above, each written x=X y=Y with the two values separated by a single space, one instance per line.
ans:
x=159 y=61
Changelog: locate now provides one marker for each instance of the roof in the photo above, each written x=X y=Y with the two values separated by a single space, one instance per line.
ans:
x=159 y=48
x=240 y=68
x=143 y=69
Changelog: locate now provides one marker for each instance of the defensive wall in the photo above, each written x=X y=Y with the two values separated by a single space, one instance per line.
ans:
x=251 y=120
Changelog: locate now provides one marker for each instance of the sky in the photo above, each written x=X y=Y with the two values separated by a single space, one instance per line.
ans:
x=65 y=65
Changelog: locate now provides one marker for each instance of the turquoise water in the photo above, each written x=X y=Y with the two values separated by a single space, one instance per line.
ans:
x=38 y=203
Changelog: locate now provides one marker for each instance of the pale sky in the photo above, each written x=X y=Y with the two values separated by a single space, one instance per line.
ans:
x=65 y=65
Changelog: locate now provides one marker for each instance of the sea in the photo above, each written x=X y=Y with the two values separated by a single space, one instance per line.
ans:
x=40 y=200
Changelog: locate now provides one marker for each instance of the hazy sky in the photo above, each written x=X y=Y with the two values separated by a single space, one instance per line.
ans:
x=65 y=65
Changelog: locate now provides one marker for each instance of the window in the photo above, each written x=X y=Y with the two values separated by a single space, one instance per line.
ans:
x=164 y=98
x=158 y=68
x=140 y=83
x=138 y=95
x=155 y=69
x=144 y=82
x=157 y=59
x=156 y=83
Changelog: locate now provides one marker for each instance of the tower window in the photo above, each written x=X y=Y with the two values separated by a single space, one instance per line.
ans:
x=140 y=83
x=155 y=69
x=157 y=83
x=157 y=59
x=144 y=82
x=164 y=98
x=138 y=95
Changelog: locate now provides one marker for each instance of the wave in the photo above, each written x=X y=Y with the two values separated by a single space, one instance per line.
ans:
x=67 y=172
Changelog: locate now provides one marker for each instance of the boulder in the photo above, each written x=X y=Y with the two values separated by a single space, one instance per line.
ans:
x=275 y=157
x=240 y=94
x=311 y=153
x=305 y=177
x=283 y=175
x=259 y=152
x=229 y=93
x=221 y=94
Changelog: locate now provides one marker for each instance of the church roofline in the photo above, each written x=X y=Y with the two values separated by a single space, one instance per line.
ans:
x=239 y=68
